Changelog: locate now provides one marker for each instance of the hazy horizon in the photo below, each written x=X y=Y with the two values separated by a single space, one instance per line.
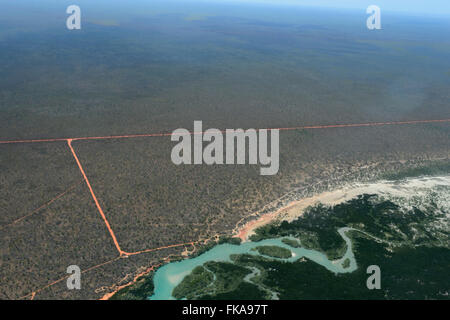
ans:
x=434 y=7
x=408 y=7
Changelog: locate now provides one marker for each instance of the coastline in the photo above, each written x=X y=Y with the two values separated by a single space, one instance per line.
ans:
x=386 y=188
x=290 y=212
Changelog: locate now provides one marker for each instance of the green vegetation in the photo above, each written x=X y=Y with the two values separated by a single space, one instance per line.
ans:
x=291 y=242
x=228 y=275
x=197 y=281
x=244 y=291
x=139 y=291
x=346 y=263
x=380 y=218
x=228 y=278
x=409 y=246
x=230 y=240
x=408 y=273
x=274 y=251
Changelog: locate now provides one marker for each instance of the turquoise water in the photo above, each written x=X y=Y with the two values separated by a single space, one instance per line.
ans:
x=169 y=276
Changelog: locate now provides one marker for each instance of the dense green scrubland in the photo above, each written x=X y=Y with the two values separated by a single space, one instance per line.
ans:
x=274 y=251
x=410 y=246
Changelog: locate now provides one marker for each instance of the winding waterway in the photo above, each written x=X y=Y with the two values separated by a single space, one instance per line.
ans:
x=409 y=193
x=169 y=276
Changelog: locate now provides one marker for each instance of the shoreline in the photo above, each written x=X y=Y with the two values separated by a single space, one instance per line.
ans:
x=291 y=211
x=295 y=209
